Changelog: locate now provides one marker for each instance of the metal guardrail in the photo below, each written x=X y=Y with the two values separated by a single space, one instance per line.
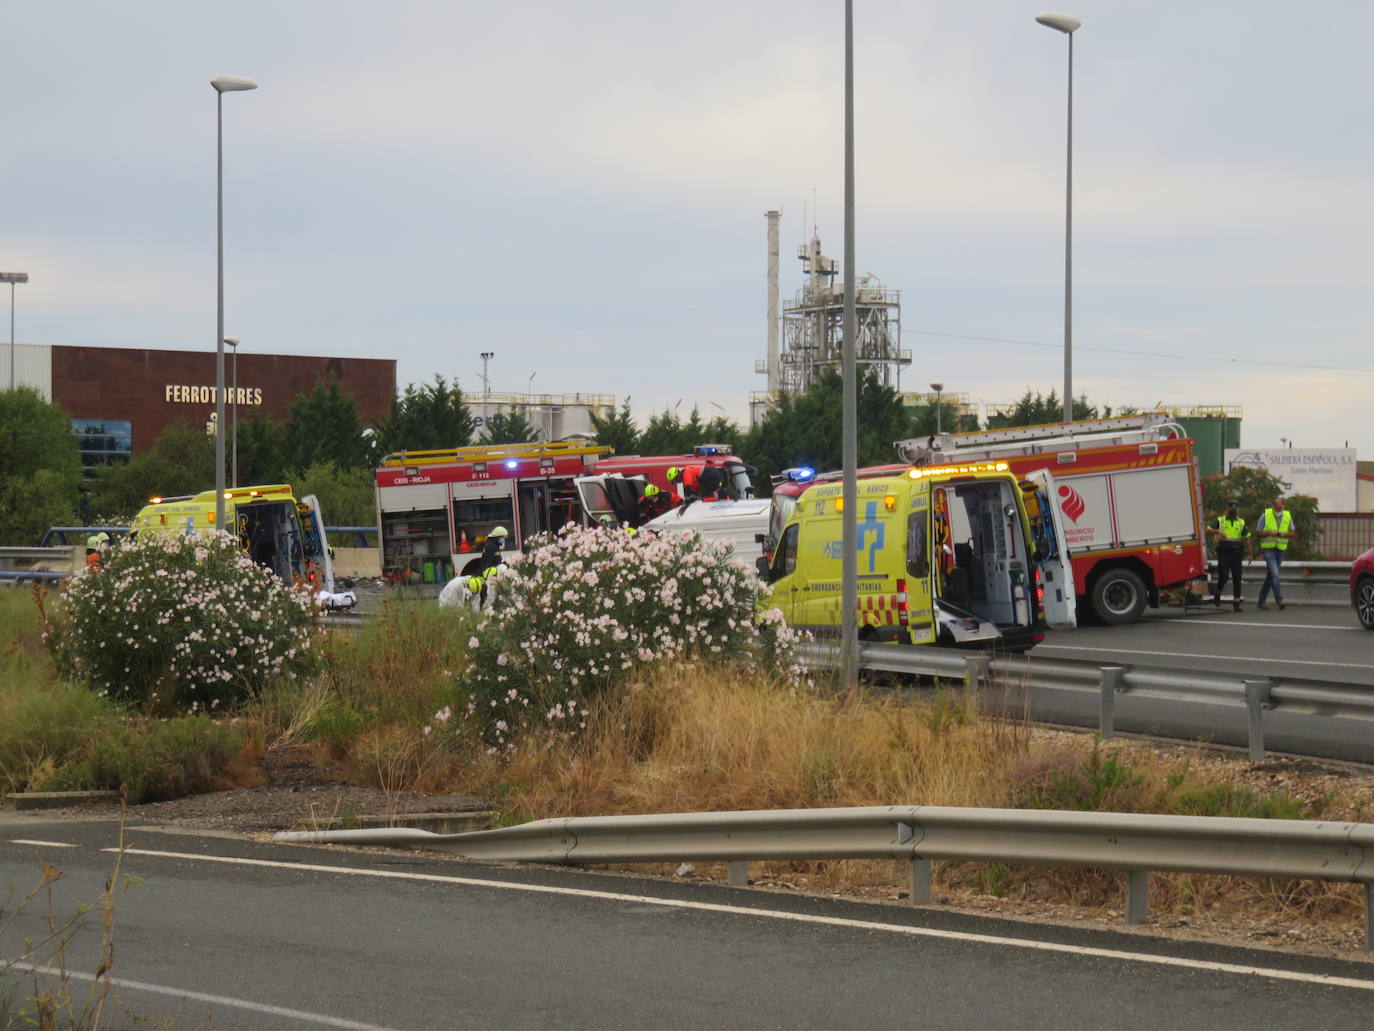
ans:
x=32 y=563
x=1257 y=695
x=1131 y=842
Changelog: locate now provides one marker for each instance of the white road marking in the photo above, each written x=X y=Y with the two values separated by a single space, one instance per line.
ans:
x=1196 y=655
x=1270 y=626
x=804 y=918
x=46 y=844
x=214 y=1000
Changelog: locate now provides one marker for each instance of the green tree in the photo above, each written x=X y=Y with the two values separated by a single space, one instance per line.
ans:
x=424 y=418
x=1037 y=410
x=924 y=422
x=806 y=429
x=40 y=466
x=617 y=430
x=324 y=426
x=509 y=426
x=181 y=462
x=1256 y=490
x=260 y=451
x=666 y=434
x=347 y=496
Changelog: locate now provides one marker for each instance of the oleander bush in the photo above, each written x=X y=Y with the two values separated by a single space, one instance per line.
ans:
x=586 y=607
x=181 y=623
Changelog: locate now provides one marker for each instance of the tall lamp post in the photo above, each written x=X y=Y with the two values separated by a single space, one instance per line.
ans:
x=1067 y=24
x=11 y=278
x=849 y=424
x=234 y=422
x=223 y=84
x=937 y=387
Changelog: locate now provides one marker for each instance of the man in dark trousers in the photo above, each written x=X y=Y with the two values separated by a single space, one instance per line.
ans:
x=1230 y=534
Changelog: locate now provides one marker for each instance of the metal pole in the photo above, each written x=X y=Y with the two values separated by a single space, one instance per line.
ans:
x=849 y=572
x=938 y=424
x=1068 y=254
x=235 y=461
x=219 y=310
x=11 y=334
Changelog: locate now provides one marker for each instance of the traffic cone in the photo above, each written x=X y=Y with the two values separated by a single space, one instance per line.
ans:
x=463 y=545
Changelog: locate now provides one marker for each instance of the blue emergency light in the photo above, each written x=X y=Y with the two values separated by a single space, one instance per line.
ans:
x=511 y=463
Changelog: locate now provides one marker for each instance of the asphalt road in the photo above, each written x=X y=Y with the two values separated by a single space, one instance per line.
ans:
x=1304 y=641
x=272 y=936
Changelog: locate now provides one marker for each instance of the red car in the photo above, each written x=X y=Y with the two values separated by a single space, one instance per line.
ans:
x=1362 y=588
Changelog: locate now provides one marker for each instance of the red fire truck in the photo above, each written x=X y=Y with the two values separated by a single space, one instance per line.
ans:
x=1129 y=492
x=1128 y=489
x=434 y=507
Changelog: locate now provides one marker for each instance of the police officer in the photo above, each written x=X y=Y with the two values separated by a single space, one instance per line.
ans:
x=1274 y=531
x=1230 y=533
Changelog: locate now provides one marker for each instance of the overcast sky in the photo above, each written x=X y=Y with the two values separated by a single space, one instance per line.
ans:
x=581 y=187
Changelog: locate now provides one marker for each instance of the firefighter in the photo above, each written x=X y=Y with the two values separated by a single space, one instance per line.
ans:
x=1230 y=533
x=654 y=502
x=96 y=543
x=709 y=482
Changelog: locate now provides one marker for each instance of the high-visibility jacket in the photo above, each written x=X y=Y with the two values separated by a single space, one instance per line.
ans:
x=1232 y=530
x=1280 y=521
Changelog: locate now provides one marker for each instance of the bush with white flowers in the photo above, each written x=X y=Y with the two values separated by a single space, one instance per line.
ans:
x=586 y=606
x=187 y=621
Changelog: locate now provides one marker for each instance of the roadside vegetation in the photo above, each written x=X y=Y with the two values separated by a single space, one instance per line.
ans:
x=640 y=698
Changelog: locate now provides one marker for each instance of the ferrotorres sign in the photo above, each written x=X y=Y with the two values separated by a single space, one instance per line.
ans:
x=196 y=395
x=1327 y=474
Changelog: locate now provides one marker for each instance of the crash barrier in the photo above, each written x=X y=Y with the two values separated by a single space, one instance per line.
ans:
x=1311 y=583
x=1134 y=843
x=53 y=561
x=1257 y=695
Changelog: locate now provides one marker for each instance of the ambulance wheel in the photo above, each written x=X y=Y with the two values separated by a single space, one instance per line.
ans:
x=1118 y=597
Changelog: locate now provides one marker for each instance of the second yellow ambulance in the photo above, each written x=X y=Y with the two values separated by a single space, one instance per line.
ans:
x=965 y=555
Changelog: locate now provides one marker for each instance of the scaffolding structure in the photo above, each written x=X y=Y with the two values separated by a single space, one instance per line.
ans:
x=813 y=328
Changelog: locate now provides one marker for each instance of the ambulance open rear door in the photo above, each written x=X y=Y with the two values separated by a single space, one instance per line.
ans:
x=1060 y=599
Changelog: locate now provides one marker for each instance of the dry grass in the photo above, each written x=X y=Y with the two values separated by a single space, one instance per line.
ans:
x=697 y=741
x=689 y=741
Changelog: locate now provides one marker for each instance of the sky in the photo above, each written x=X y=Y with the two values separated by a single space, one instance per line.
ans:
x=580 y=189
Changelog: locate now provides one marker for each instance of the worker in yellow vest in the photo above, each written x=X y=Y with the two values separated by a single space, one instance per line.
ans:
x=1274 y=531
x=1230 y=533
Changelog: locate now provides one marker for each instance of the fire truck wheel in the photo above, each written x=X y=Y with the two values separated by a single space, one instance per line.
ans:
x=1118 y=597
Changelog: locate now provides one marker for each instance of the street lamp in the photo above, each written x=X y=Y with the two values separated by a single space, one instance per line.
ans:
x=223 y=84
x=1067 y=24
x=937 y=387
x=11 y=278
x=234 y=432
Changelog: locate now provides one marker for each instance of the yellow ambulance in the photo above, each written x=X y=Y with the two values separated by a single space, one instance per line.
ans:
x=278 y=531
x=957 y=555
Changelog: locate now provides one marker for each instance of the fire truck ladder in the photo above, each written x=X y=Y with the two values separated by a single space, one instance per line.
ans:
x=488 y=453
x=1024 y=440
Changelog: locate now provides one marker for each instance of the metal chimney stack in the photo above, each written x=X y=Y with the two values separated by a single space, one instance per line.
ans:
x=774 y=369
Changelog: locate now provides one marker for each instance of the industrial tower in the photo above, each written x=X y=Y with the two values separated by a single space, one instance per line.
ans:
x=813 y=324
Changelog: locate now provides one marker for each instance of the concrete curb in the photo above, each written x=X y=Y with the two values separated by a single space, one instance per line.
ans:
x=438 y=823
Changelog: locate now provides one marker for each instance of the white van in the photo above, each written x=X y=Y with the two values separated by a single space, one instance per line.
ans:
x=742 y=523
